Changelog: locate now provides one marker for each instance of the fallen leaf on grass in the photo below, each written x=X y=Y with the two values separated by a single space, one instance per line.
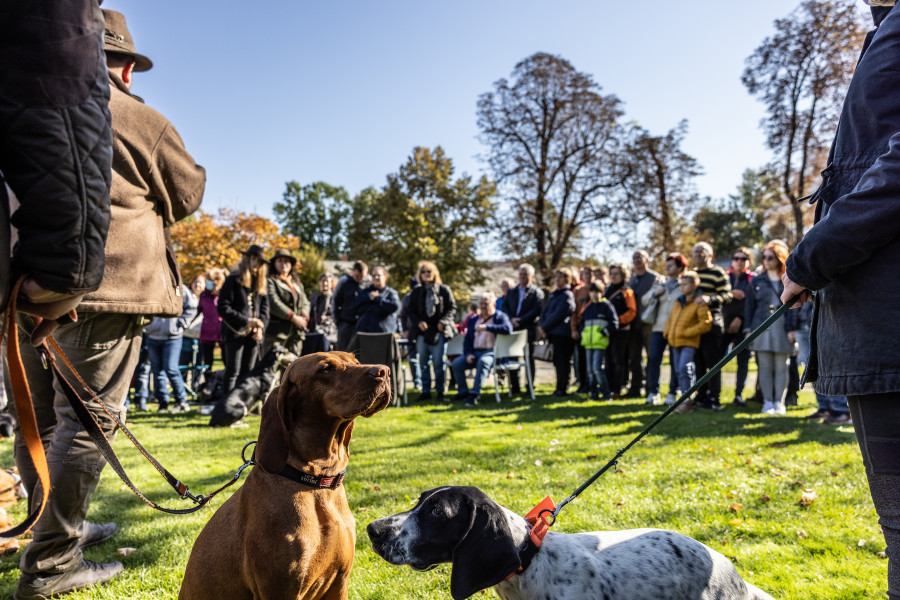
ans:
x=861 y=543
x=834 y=474
x=620 y=470
x=736 y=522
x=560 y=484
x=591 y=456
x=765 y=498
x=777 y=445
x=375 y=488
x=736 y=507
x=125 y=551
x=807 y=497
x=621 y=502
x=881 y=554
x=538 y=463
x=554 y=442
x=454 y=471
x=510 y=475
x=816 y=462
x=519 y=427
x=802 y=534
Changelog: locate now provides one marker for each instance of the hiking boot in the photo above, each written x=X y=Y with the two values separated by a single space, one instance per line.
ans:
x=94 y=534
x=685 y=407
x=88 y=573
x=181 y=407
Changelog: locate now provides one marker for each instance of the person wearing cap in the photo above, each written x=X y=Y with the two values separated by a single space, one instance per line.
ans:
x=244 y=308
x=288 y=305
x=155 y=183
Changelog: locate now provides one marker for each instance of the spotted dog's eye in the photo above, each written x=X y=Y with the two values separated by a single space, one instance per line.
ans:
x=437 y=512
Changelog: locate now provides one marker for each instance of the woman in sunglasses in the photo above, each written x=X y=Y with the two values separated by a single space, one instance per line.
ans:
x=774 y=346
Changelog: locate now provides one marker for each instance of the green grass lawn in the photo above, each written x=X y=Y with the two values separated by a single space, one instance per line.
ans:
x=732 y=480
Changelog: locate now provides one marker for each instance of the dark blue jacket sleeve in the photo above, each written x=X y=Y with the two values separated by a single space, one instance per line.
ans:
x=501 y=324
x=856 y=226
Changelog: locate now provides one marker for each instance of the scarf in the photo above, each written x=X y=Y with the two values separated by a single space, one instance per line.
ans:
x=431 y=300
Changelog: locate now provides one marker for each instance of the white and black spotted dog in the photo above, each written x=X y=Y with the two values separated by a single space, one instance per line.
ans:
x=483 y=541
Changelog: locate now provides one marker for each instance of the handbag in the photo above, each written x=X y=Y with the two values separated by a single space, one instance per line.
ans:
x=543 y=350
x=649 y=314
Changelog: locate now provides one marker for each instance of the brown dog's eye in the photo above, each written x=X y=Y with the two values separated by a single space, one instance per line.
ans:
x=325 y=368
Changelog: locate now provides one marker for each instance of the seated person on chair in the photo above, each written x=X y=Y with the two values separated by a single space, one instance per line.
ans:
x=478 y=348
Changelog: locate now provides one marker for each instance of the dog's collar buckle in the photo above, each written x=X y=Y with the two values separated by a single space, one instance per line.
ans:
x=325 y=482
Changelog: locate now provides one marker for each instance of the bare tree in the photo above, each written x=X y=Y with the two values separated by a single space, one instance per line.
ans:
x=658 y=186
x=552 y=140
x=801 y=73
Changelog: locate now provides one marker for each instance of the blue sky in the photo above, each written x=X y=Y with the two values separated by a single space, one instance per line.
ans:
x=263 y=93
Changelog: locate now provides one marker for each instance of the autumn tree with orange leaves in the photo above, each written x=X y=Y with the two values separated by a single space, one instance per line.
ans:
x=209 y=241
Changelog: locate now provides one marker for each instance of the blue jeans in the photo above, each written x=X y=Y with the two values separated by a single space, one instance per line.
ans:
x=484 y=359
x=596 y=373
x=683 y=359
x=743 y=360
x=434 y=352
x=654 y=364
x=836 y=405
x=164 y=366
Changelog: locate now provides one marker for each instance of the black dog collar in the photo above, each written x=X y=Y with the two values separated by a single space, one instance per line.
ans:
x=329 y=482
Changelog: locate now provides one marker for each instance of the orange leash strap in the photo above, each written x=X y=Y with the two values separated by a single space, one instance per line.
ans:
x=25 y=409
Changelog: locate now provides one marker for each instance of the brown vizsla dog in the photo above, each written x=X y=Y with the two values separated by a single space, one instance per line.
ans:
x=276 y=537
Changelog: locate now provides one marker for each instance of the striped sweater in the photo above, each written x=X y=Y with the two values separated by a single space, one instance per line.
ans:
x=714 y=283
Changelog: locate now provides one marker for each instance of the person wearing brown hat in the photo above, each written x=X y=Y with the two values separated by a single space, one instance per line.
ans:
x=244 y=308
x=288 y=305
x=155 y=183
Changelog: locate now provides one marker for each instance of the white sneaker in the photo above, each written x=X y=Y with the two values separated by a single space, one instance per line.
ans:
x=778 y=408
x=654 y=399
x=768 y=407
x=670 y=399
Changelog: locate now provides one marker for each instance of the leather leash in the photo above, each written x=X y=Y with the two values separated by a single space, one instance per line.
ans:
x=89 y=422
x=25 y=411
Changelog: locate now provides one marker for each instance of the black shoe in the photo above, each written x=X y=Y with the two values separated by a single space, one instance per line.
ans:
x=423 y=397
x=559 y=394
x=440 y=397
x=472 y=400
x=791 y=400
x=703 y=403
x=96 y=533
x=163 y=406
x=583 y=390
x=739 y=400
x=634 y=393
x=460 y=397
x=88 y=573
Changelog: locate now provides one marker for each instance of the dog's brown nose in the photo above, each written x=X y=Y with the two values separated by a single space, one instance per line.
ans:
x=379 y=371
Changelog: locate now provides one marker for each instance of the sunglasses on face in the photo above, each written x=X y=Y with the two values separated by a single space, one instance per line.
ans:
x=769 y=257
x=740 y=258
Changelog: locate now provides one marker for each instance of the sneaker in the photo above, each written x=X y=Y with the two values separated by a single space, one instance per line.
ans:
x=839 y=419
x=768 y=408
x=819 y=414
x=779 y=408
x=94 y=534
x=654 y=399
x=715 y=405
x=671 y=398
x=739 y=400
x=88 y=573
x=181 y=407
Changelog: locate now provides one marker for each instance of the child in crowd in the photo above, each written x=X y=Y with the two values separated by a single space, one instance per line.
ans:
x=687 y=322
x=596 y=322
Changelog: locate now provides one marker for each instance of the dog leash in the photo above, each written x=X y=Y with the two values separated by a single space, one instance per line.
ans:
x=554 y=512
x=89 y=422
x=25 y=412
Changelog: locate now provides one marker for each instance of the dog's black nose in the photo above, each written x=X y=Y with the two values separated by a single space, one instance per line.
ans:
x=379 y=372
x=375 y=533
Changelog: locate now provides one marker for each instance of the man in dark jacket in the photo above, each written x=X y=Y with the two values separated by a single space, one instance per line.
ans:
x=347 y=288
x=155 y=182
x=377 y=306
x=55 y=153
x=739 y=276
x=850 y=258
x=523 y=305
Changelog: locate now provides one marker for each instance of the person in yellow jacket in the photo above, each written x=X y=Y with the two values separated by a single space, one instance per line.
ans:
x=687 y=322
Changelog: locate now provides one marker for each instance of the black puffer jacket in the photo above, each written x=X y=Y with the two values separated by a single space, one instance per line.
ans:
x=55 y=142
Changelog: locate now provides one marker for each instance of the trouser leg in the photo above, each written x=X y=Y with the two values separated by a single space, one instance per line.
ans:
x=157 y=371
x=104 y=349
x=654 y=361
x=483 y=366
x=876 y=421
x=458 y=366
x=171 y=352
x=765 y=362
x=424 y=357
x=233 y=354
x=706 y=357
x=635 y=366
x=781 y=372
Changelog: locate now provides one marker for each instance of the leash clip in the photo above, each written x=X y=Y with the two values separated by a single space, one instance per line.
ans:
x=44 y=359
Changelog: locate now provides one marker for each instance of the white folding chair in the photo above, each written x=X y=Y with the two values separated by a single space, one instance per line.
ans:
x=514 y=348
x=453 y=348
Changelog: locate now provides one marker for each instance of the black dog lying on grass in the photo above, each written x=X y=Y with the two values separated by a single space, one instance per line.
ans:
x=251 y=388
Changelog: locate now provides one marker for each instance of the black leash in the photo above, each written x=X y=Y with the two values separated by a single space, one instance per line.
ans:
x=709 y=374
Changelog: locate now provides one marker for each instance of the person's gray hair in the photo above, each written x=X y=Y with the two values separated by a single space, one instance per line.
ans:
x=528 y=268
x=643 y=253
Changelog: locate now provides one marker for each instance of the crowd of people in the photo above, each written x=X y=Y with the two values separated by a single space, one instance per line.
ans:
x=605 y=328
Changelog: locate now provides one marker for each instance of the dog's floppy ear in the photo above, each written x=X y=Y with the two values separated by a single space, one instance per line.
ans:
x=486 y=554
x=273 y=442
